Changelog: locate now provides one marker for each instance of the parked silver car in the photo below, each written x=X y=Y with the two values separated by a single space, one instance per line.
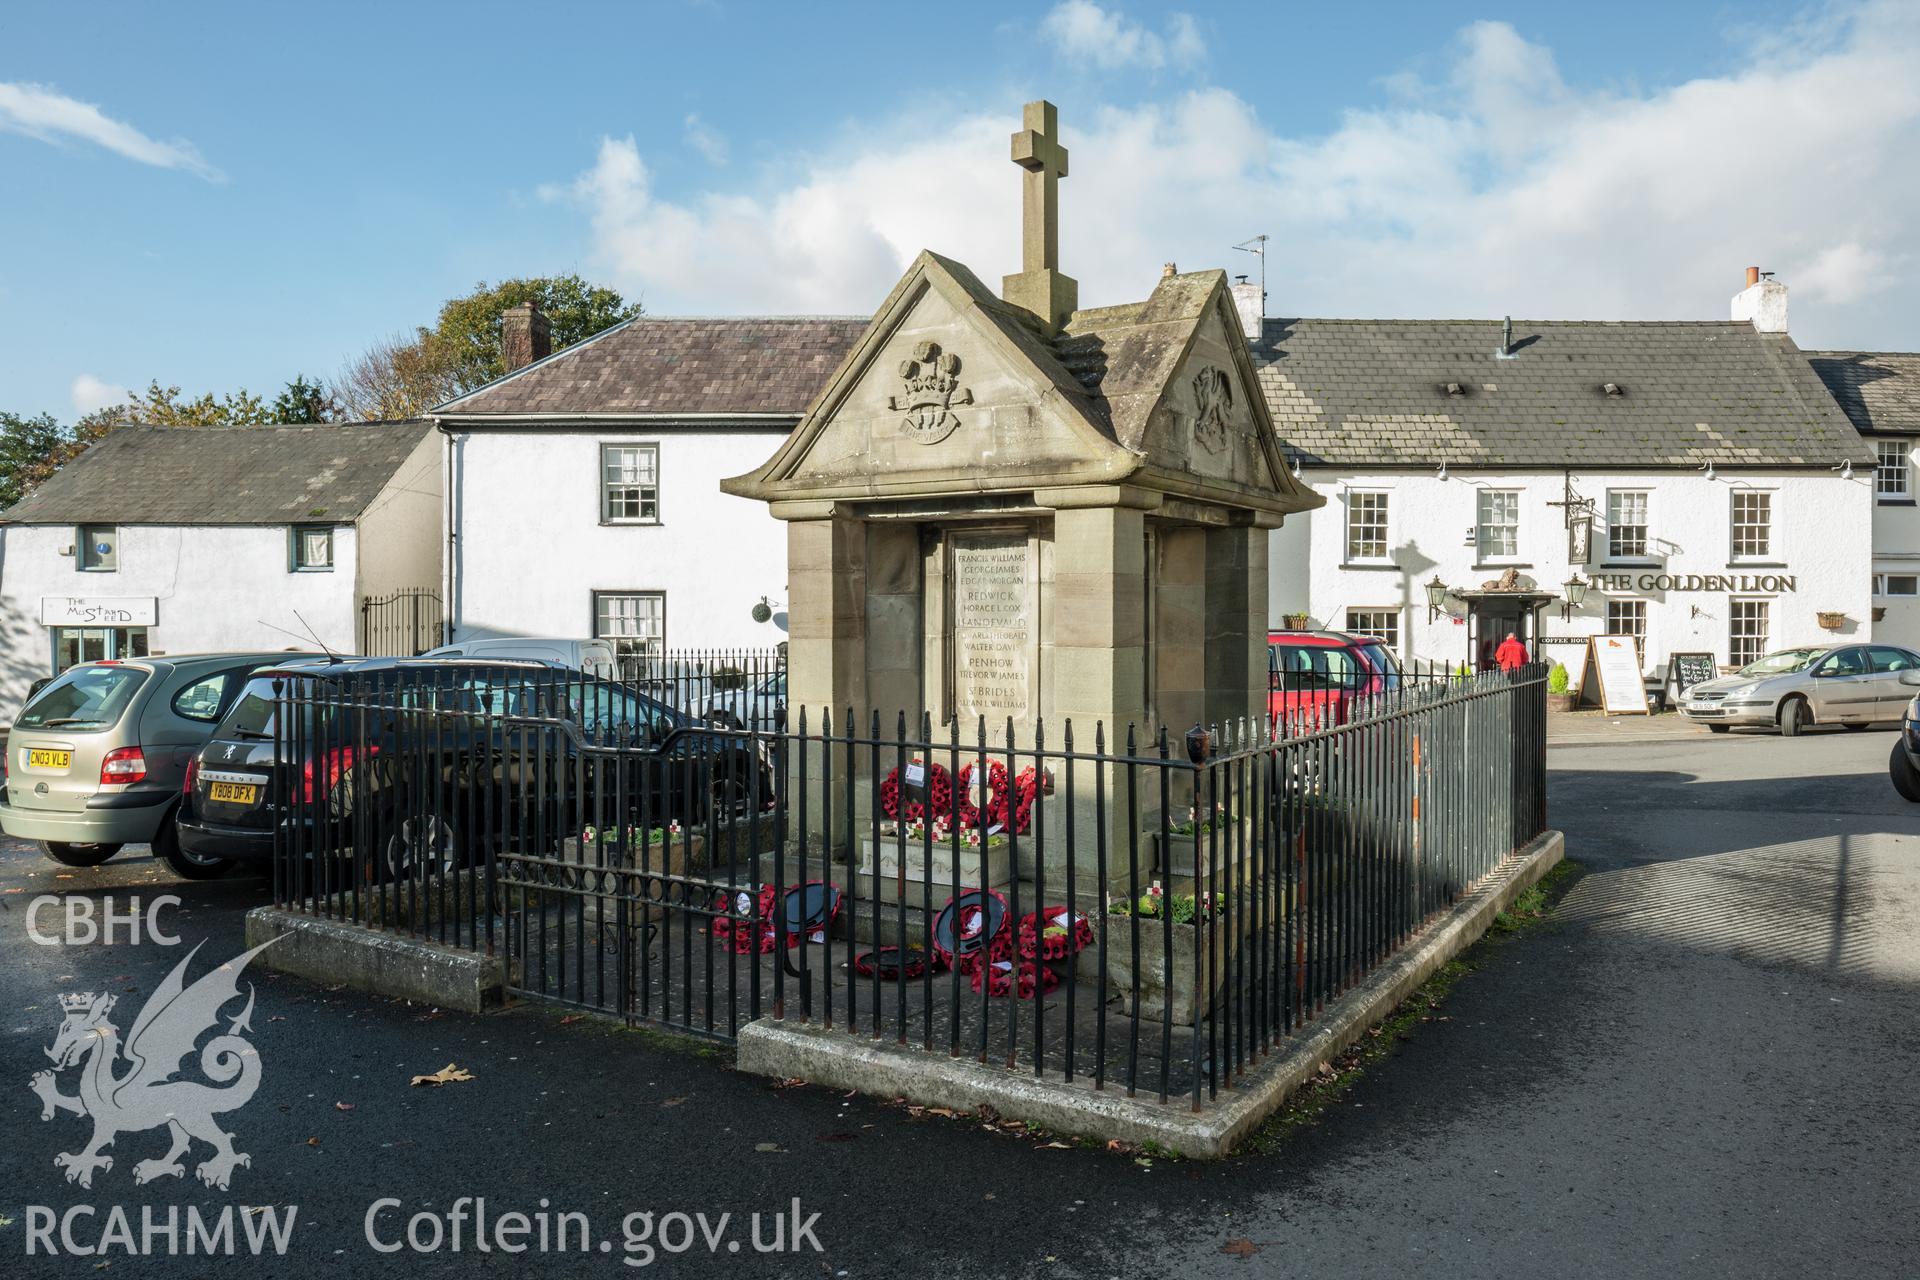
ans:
x=1853 y=685
x=96 y=759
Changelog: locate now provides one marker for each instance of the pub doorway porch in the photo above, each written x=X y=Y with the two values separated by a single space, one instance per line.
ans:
x=1492 y=614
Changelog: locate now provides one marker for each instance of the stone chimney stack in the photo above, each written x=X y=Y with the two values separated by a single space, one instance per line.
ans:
x=525 y=336
x=1763 y=301
x=1250 y=300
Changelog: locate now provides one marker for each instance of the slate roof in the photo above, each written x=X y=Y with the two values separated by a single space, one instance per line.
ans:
x=671 y=366
x=224 y=475
x=1879 y=390
x=1374 y=393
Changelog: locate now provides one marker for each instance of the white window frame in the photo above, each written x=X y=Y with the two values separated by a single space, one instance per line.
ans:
x=1759 y=641
x=1893 y=469
x=1883 y=585
x=1638 y=631
x=1757 y=500
x=1382 y=623
x=645 y=492
x=1356 y=498
x=1484 y=550
x=1614 y=525
x=632 y=645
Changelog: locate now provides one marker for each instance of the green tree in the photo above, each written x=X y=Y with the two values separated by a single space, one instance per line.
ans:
x=304 y=401
x=163 y=407
x=403 y=377
x=468 y=331
x=25 y=445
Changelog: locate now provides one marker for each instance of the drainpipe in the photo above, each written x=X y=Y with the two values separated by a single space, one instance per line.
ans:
x=447 y=580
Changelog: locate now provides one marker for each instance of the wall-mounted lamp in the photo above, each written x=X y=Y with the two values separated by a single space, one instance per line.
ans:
x=1576 y=593
x=1845 y=469
x=1708 y=469
x=1296 y=466
x=1442 y=473
x=1436 y=597
x=763 y=611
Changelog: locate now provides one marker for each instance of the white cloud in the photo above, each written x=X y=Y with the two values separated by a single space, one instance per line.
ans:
x=1493 y=188
x=39 y=112
x=706 y=140
x=90 y=394
x=1084 y=32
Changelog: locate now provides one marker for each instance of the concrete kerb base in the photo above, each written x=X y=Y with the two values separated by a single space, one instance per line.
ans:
x=333 y=951
x=833 y=1058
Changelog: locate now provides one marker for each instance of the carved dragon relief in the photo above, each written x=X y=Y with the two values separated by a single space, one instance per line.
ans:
x=1213 y=401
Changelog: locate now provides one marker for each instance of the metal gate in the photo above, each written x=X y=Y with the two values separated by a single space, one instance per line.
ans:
x=400 y=625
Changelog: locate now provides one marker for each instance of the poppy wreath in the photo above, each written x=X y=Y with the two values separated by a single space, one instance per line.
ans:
x=968 y=926
x=795 y=937
x=885 y=963
x=939 y=795
x=1046 y=933
x=1004 y=977
x=1008 y=807
x=746 y=919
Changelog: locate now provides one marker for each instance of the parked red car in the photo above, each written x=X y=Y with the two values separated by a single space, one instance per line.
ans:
x=1313 y=677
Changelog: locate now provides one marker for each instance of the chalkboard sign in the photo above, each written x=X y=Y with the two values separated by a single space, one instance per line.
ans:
x=1611 y=676
x=1684 y=670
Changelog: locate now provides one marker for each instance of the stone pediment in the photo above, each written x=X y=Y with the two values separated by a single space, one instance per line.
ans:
x=1181 y=391
x=953 y=392
x=947 y=392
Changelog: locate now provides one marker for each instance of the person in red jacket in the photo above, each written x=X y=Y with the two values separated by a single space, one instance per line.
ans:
x=1511 y=653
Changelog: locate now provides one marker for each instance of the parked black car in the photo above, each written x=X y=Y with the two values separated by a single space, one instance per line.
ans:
x=426 y=763
x=1903 y=766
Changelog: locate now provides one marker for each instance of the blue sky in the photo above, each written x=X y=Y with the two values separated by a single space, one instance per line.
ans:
x=225 y=195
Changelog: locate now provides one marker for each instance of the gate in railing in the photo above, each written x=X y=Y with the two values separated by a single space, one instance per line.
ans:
x=402 y=624
x=1156 y=913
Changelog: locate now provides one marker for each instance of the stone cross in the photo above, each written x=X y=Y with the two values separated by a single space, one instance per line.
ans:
x=1037 y=149
x=1040 y=288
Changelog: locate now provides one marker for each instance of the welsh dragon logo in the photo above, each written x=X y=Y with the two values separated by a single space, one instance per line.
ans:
x=145 y=1094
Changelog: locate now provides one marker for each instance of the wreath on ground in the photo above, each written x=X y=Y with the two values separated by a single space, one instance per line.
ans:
x=1054 y=933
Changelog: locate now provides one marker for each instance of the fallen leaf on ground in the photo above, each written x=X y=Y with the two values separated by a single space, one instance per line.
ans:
x=343 y=1106
x=1240 y=1247
x=571 y=1018
x=1056 y=1146
x=671 y=1102
x=313 y=1142
x=768 y=1146
x=445 y=1075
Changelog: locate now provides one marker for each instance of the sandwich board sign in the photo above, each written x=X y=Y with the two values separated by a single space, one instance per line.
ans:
x=1684 y=670
x=1611 y=676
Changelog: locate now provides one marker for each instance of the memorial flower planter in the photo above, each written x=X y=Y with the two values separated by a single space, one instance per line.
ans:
x=1188 y=845
x=1197 y=924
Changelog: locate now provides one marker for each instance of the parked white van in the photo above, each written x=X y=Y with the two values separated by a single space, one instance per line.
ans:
x=592 y=656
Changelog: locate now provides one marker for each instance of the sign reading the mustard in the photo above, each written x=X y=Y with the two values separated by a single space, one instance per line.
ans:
x=1760 y=583
x=97 y=611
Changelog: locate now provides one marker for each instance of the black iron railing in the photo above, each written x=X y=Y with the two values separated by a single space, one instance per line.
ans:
x=1154 y=912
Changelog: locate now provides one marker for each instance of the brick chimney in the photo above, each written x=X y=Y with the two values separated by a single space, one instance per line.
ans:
x=525 y=336
x=1763 y=301
x=1251 y=302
